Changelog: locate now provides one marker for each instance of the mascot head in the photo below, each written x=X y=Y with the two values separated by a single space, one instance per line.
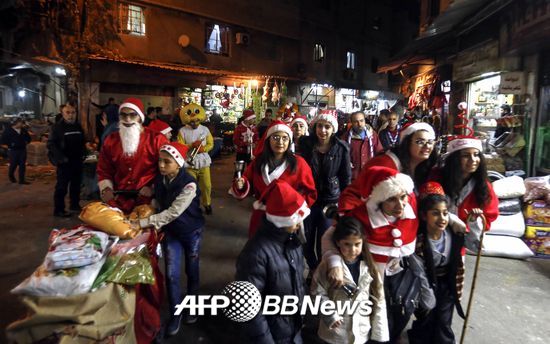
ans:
x=287 y=112
x=192 y=114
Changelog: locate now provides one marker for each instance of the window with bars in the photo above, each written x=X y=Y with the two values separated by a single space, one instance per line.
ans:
x=318 y=52
x=131 y=19
x=217 y=39
x=350 y=60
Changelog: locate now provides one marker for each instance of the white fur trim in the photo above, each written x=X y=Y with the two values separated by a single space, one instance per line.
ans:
x=413 y=128
x=279 y=127
x=277 y=172
x=378 y=219
x=105 y=183
x=390 y=187
x=174 y=153
x=253 y=116
x=133 y=107
x=286 y=221
x=166 y=131
x=463 y=143
x=299 y=119
x=391 y=251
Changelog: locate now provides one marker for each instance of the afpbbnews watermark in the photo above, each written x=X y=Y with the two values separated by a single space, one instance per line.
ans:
x=241 y=301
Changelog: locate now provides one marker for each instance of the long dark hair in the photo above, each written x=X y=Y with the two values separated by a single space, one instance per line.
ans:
x=348 y=225
x=453 y=180
x=423 y=169
x=266 y=157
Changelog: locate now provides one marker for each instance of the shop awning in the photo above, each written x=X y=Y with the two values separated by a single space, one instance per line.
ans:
x=440 y=32
x=193 y=69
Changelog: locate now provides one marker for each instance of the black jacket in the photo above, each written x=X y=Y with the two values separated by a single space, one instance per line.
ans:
x=333 y=173
x=66 y=143
x=450 y=272
x=273 y=261
x=14 y=140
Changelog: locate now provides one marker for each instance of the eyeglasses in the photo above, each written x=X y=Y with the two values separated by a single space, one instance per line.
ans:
x=279 y=138
x=422 y=142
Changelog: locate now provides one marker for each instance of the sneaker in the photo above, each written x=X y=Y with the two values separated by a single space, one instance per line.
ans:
x=190 y=319
x=173 y=326
x=208 y=209
x=61 y=214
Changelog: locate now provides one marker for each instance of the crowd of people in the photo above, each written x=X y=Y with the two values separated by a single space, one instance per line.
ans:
x=375 y=214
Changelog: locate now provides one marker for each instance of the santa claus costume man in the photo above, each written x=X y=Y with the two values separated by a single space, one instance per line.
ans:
x=128 y=161
x=274 y=160
x=245 y=136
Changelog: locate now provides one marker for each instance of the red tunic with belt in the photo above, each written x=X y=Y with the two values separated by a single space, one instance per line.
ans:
x=301 y=180
x=351 y=196
x=124 y=173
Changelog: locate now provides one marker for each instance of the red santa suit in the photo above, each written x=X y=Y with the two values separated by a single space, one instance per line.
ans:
x=301 y=180
x=122 y=172
x=245 y=136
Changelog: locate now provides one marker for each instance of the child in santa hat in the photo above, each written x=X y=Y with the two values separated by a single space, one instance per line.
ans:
x=245 y=136
x=415 y=156
x=390 y=224
x=161 y=127
x=361 y=283
x=273 y=261
x=440 y=249
x=273 y=161
x=177 y=197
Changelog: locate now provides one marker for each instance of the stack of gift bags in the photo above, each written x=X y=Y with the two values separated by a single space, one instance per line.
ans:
x=87 y=288
x=537 y=215
x=504 y=238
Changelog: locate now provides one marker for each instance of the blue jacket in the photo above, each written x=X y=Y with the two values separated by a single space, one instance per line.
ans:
x=192 y=218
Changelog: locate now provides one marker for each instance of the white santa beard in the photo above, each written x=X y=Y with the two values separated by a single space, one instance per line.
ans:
x=129 y=137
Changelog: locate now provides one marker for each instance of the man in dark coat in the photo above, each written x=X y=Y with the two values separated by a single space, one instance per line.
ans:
x=273 y=262
x=17 y=137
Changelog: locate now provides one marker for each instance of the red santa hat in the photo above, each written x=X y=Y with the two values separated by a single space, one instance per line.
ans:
x=177 y=150
x=274 y=127
x=383 y=183
x=430 y=188
x=248 y=114
x=328 y=115
x=412 y=128
x=284 y=206
x=160 y=126
x=462 y=142
x=134 y=104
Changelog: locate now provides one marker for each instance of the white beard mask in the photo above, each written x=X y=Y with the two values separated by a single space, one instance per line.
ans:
x=129 y=137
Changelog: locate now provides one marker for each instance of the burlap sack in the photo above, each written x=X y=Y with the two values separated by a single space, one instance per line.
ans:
x=107 y=219
x=106 y=315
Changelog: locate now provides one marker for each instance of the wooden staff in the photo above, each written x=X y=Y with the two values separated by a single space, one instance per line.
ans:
x=472 y=290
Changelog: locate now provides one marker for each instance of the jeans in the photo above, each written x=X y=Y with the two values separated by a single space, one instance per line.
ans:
x=178 y=244
x=315 y=225
x=18 y=158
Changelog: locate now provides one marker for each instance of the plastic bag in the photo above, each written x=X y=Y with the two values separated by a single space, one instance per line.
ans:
x=128 y=263
x=537 y=188
x=76 y=247
x=141 y=212
x=509 y=187
x=107 y=219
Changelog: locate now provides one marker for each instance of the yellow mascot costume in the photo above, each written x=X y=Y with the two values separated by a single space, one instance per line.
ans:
x=199 y=140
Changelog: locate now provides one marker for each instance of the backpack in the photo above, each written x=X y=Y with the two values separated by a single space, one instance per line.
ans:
x=409 y=289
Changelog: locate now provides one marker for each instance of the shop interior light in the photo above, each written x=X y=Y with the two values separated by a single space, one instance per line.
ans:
x=484 y=75
x=21 y=93
x=60 y=71
x=254 y=83
x=372 y=94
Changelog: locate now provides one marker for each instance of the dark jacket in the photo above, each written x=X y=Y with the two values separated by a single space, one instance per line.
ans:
x=191 y=219
x=273 y=261
x=332 y=173
x=15 y=140
x=66 y=143
x=453 y=272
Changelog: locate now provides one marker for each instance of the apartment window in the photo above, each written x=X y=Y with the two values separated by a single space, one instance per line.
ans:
x=217 y=39
x=350 y=60
x=131 y=19
x=318 y=52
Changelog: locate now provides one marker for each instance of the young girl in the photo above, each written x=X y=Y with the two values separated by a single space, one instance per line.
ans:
x=181 y=219
x=361 y=279
x=440 y=248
